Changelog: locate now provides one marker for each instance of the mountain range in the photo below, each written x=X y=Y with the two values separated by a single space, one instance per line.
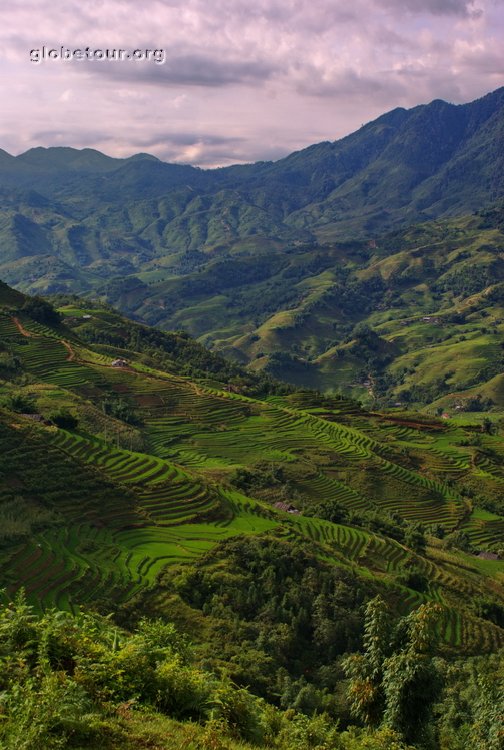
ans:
x=251 y=444
x=256 y=260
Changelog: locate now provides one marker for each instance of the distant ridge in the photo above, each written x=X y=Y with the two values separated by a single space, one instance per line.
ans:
x=429 y=161
x=249 y=258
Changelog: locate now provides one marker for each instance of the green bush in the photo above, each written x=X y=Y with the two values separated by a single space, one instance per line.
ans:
x=64 y=419
x=20 y=403
x=42 y=311
x=182 y=692
x=52 y=712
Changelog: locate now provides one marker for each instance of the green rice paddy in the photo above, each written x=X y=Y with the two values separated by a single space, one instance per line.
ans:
x=172 y=501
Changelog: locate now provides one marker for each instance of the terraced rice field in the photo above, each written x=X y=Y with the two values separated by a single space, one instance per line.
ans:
x=8 y=328
x=232 y=438
x=484 y=529
x=166 y=494
x=172 y=500
x=113 y=553
x=157 y=515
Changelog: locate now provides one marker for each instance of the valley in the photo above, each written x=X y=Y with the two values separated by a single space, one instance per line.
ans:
x=252 y=444
x=162 y=468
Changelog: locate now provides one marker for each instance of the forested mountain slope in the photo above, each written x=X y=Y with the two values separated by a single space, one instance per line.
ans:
x=142 y=475
x=277 y=263
x=428 y=161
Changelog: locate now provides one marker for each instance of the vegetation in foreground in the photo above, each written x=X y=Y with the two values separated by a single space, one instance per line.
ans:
x=258 y=517
x=81 y=682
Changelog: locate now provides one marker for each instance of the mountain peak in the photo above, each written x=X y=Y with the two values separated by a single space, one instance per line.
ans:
x=66 y=157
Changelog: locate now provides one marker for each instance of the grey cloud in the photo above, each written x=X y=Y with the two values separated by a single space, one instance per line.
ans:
x=351 y=84
x=215 y=149
x=87 y=139
x=205 y=71
x=389 y=40
x=222 y=155
x=285 y=13
x=464 y=8
x=185 y=69
x=184 y=139
x=484 y=62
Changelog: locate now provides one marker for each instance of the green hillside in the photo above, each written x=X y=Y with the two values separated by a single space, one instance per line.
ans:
x=411 y=317
x=142 y=475
x=152 y=468
x=356 y=266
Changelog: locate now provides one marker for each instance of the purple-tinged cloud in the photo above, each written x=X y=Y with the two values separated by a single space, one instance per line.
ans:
x=241 y=81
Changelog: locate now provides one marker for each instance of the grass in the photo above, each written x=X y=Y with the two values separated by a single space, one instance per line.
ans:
x=124 y=515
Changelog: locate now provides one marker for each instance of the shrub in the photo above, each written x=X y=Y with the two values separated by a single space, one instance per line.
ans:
x=64 y=419
x=46 y=714
x=40 y=310
x=413 y=579
x=181 y=691
x=240 y=711
x=20 y=403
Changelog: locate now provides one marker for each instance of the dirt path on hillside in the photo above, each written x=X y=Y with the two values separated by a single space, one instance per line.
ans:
x=22 y=330
x=68 y=347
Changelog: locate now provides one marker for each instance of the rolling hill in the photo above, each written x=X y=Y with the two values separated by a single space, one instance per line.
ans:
x=132 y=459
x=277 y=264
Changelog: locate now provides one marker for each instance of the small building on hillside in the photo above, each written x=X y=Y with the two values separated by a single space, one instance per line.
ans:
x=230 y=388
x=287 y=508
x=120 y=362
x=37 y=418
x=488 y=556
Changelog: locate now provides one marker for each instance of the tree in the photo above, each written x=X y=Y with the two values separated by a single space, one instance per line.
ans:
x=414 y=537
x=366 y=670
x=65 y=420
x=20 y=403
x=487 y=426
x=395 y=681
x=42 y=311
x=459 y=540
x=487 y=732
x=411 y=681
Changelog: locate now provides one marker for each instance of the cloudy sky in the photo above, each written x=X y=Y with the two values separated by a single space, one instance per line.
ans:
x=241 y=80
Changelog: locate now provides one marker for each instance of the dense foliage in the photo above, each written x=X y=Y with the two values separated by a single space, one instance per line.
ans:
x=41 y=310
x=282 y=615
x=81 y=682
x=263 y=526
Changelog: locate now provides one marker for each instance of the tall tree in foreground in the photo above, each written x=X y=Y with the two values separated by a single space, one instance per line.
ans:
x=395 y=681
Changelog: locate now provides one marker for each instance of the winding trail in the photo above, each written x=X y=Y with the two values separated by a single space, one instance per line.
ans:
x=68 y=347
x=22 y=330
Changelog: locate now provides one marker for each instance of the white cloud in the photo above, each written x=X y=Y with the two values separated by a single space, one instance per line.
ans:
x=264 y=77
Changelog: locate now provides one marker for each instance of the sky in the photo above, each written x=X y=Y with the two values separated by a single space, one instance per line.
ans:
x=233 y=81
